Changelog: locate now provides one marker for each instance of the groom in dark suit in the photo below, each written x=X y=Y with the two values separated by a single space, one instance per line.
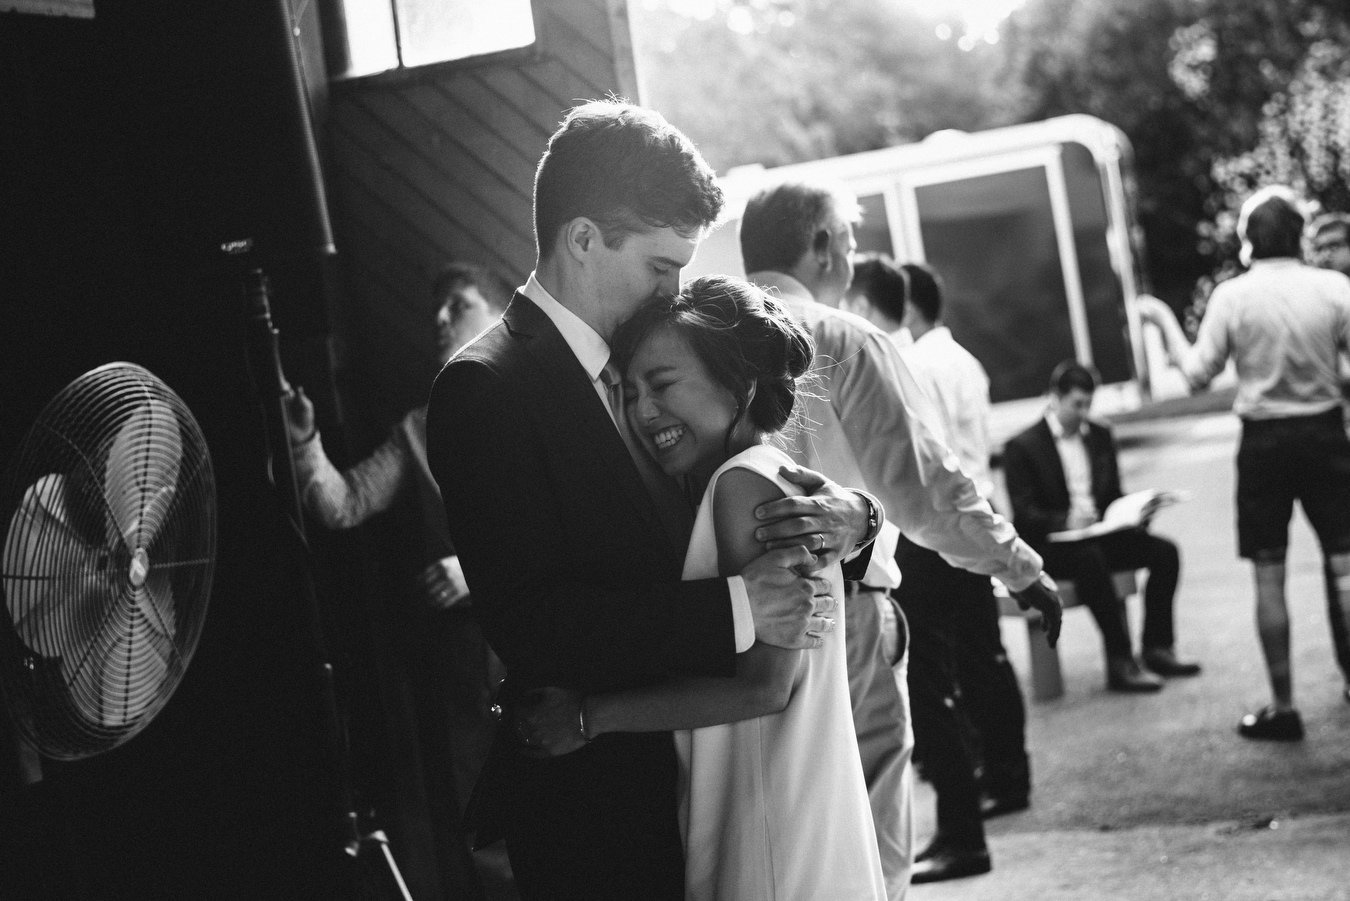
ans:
x=1062 y=474
x=573 y=542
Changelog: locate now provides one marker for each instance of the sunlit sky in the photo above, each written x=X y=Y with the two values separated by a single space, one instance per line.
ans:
x=978 y=16
x=979 y=19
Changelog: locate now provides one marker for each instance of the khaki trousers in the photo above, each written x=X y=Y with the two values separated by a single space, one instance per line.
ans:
x=877 y=648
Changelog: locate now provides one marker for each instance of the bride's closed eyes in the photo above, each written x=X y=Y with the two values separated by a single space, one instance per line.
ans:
x=680 y=413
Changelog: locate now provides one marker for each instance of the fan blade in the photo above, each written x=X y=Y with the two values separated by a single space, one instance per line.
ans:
x=52 y=577
x=154 y=600
x=142 y=471
x=117 y=676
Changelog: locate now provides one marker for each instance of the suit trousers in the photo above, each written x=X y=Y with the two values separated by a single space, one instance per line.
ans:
x=1090 y=565
x=966 y=703
x=877 y=686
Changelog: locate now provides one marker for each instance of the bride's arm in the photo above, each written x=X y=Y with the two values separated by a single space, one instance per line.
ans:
x=764 y=674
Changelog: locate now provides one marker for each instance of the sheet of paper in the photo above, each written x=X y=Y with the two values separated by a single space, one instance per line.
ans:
x=1124 y=512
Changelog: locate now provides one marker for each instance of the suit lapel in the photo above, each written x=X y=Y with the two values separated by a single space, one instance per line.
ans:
x=575 y=416
x=1054 y=467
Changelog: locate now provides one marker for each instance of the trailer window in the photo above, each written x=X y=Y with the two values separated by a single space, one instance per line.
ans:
x=992 y=239
x=379 y=35
x=874 y=233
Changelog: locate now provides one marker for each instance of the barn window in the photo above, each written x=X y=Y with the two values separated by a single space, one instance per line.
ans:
x=374 y=36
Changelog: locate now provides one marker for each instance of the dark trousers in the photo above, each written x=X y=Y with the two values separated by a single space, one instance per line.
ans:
x=1090 y=565
x=964 y=699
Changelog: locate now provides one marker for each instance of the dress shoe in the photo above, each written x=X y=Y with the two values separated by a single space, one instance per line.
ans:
x=997 y=805
x=1272 y=725
x=1126 y=675
x=1164 y=662
x=950 y=863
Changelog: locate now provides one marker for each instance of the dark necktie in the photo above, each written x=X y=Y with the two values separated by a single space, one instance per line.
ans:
x=671 y=506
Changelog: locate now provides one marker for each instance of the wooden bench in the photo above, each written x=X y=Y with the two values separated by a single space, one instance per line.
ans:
x=1047 y=680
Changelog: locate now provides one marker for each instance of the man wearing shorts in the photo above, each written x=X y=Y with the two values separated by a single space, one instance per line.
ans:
x=1283 y=323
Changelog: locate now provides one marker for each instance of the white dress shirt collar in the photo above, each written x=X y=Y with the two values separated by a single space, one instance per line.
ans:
x=784 y=284
x=589 y=348
x=1057 y=428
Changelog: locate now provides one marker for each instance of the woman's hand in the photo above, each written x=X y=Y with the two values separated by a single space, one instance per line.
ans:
x=299 y=416
x=548 y=722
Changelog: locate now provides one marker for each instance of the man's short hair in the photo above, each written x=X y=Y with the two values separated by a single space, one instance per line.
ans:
x=627 y=169
x=925 y=291
x=1327 y=221
x=1271 y=223
x=884 y=284
x=781 y=223
x=1070 y=375
x=461 y=273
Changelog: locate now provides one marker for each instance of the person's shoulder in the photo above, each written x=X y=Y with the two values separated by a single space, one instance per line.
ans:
x=1332 y=281
x=764 y=461
x=1100 y=429
x=1029 y=436
x=844 y=335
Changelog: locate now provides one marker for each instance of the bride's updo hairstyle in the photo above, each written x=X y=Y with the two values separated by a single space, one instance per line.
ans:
x=741 y=334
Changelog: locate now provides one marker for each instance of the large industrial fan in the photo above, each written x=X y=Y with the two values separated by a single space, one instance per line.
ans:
x=109 y=510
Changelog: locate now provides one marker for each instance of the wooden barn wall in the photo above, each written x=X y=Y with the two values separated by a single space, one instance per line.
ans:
x=432 y=165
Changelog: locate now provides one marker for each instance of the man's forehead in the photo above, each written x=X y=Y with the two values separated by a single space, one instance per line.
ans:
x=668 y=243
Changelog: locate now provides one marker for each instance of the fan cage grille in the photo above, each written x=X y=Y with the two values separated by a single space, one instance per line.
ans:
x=109 y=511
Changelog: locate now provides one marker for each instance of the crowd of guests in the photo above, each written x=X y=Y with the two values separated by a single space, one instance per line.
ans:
x=732 y=544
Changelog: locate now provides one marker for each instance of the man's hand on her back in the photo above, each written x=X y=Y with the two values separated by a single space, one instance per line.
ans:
x=827 y=519
x=790 y=610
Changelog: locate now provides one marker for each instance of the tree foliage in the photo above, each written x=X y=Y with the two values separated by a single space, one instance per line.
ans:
x=1216 y=96
x=782 y=81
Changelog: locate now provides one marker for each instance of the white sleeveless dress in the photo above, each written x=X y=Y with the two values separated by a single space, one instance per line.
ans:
x=775 y=808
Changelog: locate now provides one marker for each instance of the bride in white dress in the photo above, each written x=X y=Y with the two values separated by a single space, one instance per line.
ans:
x=773 y=802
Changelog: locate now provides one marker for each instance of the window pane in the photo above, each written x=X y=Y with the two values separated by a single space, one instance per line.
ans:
x=370 y=36
x=434 y=31
x=992 y=239
x=1103 y=294
x=874 y=233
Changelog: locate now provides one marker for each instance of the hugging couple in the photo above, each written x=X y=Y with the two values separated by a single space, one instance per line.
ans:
x=645 y=563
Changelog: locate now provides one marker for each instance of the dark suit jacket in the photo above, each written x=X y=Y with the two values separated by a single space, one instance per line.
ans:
x=1037 y=488
x=576 y=584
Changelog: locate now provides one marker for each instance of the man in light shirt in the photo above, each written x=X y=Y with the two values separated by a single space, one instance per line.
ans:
x=868 y=424
x=1062 y=474
x=952 y=614
x=1284 y=325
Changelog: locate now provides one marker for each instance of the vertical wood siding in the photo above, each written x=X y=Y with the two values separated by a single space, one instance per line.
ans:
x=439 y=165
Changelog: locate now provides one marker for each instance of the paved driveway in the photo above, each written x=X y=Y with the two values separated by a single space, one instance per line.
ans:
x=1155 y=796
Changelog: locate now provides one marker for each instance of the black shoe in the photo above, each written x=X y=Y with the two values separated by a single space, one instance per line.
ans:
x=997 y=805
x=1164 y=662
x=1126 y=675
x=1272 y=725
x=950 y=863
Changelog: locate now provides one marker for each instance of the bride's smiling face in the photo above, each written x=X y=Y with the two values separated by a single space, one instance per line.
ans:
x=680 y=413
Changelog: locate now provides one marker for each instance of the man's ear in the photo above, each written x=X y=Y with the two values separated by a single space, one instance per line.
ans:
x=580 y=237
x=820 y=248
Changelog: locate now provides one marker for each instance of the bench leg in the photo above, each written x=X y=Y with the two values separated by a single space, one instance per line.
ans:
x=1047 y=682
